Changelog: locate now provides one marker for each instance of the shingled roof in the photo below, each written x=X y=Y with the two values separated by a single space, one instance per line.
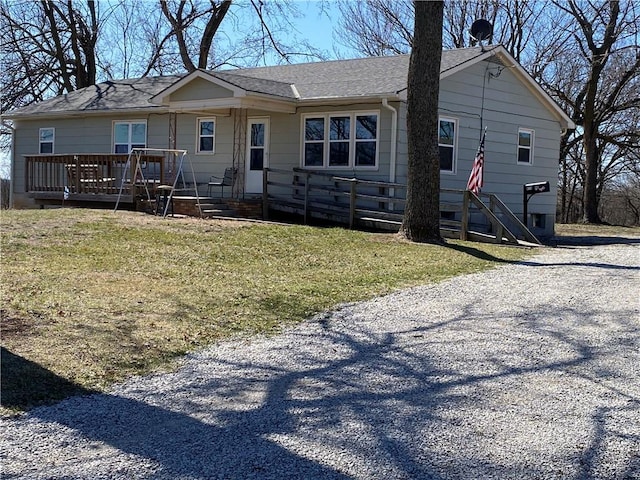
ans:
x=363 y=77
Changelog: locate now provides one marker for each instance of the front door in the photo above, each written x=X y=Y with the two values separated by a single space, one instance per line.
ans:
x=257 y=153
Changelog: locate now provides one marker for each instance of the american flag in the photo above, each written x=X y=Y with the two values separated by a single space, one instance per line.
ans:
x=476 y=180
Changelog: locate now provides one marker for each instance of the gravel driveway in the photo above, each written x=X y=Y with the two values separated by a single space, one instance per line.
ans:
x=527 y=371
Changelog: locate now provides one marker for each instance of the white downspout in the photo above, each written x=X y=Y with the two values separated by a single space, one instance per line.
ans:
x=393 y=155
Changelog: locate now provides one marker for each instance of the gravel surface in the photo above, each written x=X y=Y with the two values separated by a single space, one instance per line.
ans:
x=527 y=371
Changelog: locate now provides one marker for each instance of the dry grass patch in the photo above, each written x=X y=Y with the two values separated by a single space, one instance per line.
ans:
x=586 y=230
x=91 y=296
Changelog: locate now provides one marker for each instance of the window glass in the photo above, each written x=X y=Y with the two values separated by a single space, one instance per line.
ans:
x=138 y=134
x=206 y=127
x=339 y=154
x=206 y=135
x=339 y=128
x=257 y=134
x=256 y=159
x=313 y=154
x=447 y=144
x=446 y=132
x=121 y=133
x=128 y=135
x=446 y=158
x=525 y=145
x=206 y=144
x=365 y=154
x=314 y=129
x=344 y=140
x=47 y=136
x=366 y=127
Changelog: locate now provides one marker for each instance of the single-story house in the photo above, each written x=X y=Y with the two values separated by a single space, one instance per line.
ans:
x=345 y=118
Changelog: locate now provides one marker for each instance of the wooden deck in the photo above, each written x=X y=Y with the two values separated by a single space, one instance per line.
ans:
x=88 y=178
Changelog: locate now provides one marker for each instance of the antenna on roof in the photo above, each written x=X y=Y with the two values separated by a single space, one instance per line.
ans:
x=481 y=30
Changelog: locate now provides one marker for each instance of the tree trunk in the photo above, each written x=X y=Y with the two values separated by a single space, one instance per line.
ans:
x=421 y=221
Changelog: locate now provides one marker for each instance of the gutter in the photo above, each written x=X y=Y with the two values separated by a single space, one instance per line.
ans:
x=393 y=155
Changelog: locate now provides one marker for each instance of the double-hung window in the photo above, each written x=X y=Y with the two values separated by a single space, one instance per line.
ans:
x=128 y=135
x=340 y=140
x=525 y=146
x=47 y=138
x=447 y=130
x=206 y=135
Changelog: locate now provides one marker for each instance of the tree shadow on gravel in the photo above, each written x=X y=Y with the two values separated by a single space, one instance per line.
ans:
x=394 y=404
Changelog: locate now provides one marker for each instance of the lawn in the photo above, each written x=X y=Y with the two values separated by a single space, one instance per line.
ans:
x=90 y=297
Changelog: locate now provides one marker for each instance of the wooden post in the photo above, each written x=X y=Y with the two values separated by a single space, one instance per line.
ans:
x=352 y=202
x=492 y=208
x=464 y=221
x=307 y=175
x=76 y=161
x=265 y=194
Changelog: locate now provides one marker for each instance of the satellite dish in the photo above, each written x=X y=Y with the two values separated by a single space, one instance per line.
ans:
x=481 y=30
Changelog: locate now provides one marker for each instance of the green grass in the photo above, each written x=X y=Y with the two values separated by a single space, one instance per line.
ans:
x=90 y=297
x=583 y=230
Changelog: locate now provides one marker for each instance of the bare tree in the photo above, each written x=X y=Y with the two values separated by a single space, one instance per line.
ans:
x=594 y=73
x=421 y=222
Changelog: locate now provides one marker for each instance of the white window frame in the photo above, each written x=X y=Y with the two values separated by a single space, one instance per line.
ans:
x=530 y=147
x=129 y=123
x=326 y=142
x=454 y=147
x=52 y=142
x=199 y=121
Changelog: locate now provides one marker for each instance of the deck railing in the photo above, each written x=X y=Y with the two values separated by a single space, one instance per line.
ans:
x=356 y=201
x=85 y=173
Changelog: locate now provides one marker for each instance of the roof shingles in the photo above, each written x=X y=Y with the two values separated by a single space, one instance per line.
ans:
x=363 y=77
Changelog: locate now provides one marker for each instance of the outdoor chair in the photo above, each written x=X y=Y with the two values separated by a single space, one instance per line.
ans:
x=225 y=181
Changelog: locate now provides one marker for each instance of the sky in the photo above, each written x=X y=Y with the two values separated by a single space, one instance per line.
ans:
x=315 y=26
x=318 y=28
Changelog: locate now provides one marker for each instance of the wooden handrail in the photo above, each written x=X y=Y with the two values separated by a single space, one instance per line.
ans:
x=335 y=187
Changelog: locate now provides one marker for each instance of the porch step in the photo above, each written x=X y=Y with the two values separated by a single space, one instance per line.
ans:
x=218 y=209
x=209 y=207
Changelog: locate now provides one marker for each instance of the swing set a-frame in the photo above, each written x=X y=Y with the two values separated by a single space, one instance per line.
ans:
x=158 y=180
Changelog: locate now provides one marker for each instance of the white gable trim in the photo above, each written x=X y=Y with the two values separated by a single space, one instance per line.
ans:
x=163 y=98
x=240 y=98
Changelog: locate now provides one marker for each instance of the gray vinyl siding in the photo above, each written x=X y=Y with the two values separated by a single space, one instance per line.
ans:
x=508 y=106
x=87 y=134
x=200 y=89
